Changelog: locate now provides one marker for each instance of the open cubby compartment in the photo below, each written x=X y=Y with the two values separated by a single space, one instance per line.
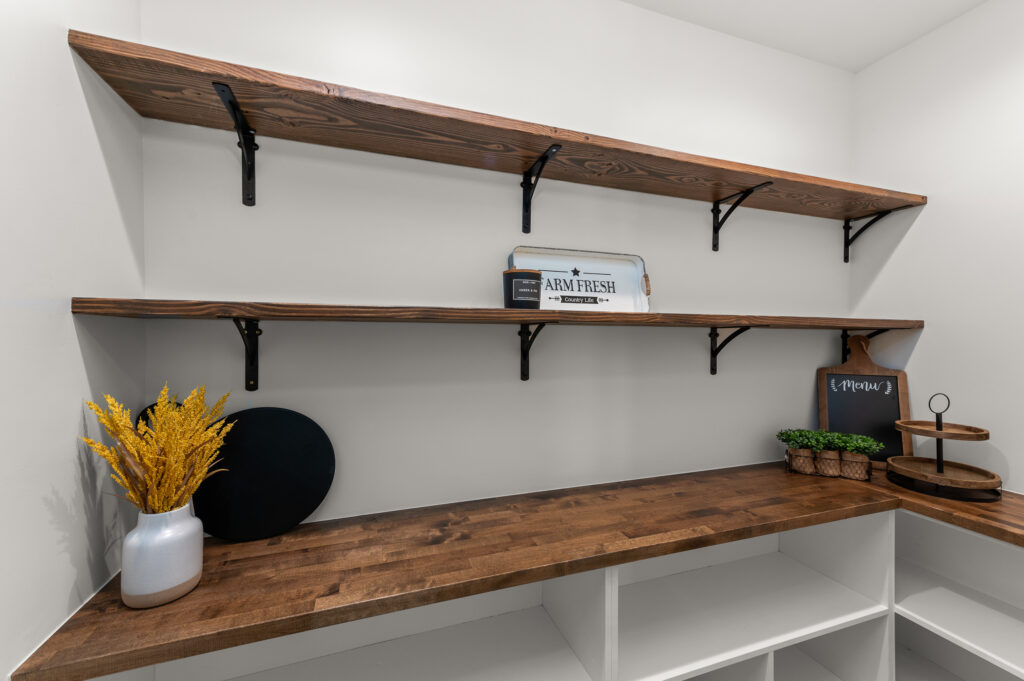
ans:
x=505 y=634
x=863 y=652
x=691 y=613
x=524 y=644
x=755 y=669
x=924 y=656
x=962 y=586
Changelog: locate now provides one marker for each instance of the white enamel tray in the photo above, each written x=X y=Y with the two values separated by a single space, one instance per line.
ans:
x=586 y=280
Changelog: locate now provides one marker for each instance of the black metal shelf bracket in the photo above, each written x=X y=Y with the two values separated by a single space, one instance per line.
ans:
x=716 y=347
x=526 y=339
x=848 y=227
x=529 y=183
x=246 y=142
x=250 y=331
x=844 y=340
x=718 y=220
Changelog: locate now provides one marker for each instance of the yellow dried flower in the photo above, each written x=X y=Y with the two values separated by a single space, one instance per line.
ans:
x=161 y=464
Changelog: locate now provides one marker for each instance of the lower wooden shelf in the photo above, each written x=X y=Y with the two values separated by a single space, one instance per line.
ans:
x=348 y=569
x=519 y=645
x=989 y=628
x=683 y=623
x=342 y=570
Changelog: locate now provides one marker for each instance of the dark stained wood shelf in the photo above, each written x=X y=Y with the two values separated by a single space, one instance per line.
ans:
x=178 y=87
x=1003 y=519
x=205 y=309
x=342 y=570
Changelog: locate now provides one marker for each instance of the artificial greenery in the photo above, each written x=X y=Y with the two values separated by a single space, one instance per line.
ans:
x=800 y=439
x=825 y=440
x=862 y=444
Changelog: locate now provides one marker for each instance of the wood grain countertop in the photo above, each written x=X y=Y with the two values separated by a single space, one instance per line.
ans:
x=337 y=571
x=1003 y=519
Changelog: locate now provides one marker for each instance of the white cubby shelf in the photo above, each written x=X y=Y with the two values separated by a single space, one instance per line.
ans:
x=792 y=664
x=518 y=645
x=687 y=614
x=977 y=622
x=913 y=667
x=970 y=593
x=683 y=623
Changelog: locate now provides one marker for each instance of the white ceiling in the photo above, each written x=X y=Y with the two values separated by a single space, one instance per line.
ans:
x=850 y=34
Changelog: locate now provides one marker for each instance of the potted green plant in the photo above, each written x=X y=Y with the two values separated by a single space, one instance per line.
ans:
x=827 y=460
x=800 y=449
x=855 y=456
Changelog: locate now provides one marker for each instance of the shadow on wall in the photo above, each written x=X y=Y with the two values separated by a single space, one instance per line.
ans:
x=119 y=137
x=92 y=521
x=894 y=349
x=873 y=250
x=101 y=512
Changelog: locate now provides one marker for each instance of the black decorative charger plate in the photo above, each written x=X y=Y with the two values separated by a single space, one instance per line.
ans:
x=280 y=465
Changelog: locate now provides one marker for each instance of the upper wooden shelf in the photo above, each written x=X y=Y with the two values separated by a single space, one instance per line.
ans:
x=205 y=309
x=341 y=570
x=178 y=87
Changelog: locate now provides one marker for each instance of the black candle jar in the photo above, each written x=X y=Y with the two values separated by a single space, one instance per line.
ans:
x=522 y=289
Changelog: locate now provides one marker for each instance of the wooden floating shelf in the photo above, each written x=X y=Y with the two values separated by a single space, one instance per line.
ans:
x=247 y=317
x=337 y=571
x=204 y=309
x=177 y=87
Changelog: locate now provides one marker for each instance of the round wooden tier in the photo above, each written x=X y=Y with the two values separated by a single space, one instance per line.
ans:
x=958 y=475
x=950 y=431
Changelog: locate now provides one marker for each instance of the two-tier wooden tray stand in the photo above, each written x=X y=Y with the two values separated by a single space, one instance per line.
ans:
x=937 y=476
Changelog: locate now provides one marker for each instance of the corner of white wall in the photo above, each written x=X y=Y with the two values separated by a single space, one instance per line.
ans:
x=72 y=187
x=942 y=117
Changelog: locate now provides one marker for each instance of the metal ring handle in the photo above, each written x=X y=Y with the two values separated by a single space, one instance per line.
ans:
x=932 y=398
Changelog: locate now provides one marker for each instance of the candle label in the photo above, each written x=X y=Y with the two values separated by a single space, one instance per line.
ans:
x=525 y=289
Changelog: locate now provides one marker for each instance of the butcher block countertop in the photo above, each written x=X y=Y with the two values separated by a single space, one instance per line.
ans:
x=337 y=571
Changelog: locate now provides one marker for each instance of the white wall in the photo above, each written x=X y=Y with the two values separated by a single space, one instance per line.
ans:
x=429 y=414
x=71 y=196
x=943 y=116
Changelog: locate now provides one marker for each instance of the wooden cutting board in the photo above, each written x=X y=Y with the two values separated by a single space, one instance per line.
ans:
x=864 y=398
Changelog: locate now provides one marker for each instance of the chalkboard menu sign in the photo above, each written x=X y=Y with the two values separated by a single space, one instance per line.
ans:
x=864 y=398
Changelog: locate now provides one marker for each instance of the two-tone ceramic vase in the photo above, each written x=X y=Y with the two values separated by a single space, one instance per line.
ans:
x=162 y=558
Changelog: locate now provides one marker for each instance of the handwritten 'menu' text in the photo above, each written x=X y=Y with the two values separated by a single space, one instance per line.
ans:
x=852 y=385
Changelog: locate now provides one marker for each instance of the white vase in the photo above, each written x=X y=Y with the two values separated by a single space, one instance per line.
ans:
x=162 y=558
